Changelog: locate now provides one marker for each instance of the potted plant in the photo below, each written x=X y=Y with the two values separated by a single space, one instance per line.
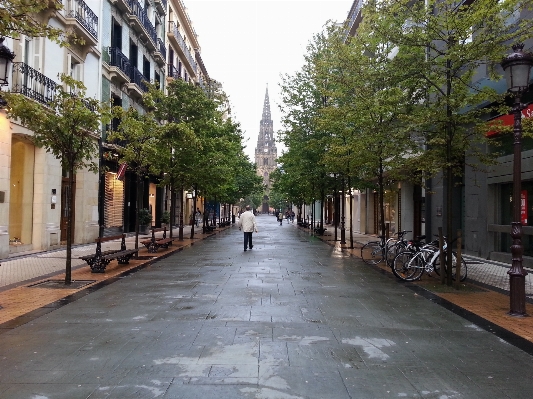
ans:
x=145 y=220
x=165 y=218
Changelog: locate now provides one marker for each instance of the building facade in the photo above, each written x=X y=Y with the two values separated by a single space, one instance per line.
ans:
x=266 y=152
x=125 y=44
x=33 y=186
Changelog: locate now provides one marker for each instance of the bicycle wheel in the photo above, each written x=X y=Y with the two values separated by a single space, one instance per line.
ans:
x=393 y=250
x=408 y=266
x=464 y=270
x=372 y=253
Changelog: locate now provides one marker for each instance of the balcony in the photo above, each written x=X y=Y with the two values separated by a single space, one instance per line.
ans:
x=354 y=19
x=173 y=73
x=179 y=44
x=161 y=6
x=118 y=65
x=140 y=23
x=82 y=20
x=32 y=84
x=160 y=54
x=137 y=87
x=123 y=5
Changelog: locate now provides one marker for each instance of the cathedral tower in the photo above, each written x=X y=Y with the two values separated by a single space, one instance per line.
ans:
x=266 y=152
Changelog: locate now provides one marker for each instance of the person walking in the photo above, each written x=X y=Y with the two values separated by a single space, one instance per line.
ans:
x=280 y=218
x=249 y=226
x=198 y=217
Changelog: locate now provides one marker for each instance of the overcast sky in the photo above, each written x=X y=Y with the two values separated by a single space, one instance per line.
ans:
x=247 y=44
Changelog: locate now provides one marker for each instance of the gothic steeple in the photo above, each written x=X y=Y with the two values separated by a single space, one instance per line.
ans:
x=266 y=152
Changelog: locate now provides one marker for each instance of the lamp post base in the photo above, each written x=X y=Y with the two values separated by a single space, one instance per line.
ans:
x=517 y=286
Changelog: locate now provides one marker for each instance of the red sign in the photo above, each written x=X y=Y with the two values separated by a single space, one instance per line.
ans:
x=508 y=120
x=523 y=208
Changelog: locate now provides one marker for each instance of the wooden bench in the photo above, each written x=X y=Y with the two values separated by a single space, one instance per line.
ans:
x=153 y=244
x=320 y=231
x=99 y=260
x=208 y=229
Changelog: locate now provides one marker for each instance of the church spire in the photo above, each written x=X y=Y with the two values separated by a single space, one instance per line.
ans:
x=266 y=152
x=266 y=106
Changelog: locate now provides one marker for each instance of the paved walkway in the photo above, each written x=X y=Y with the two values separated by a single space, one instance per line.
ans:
x=291 y=319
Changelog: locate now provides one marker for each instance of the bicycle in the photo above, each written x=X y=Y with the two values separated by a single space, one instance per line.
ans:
x=373 y=252
x=401 y=244
x=411 y=264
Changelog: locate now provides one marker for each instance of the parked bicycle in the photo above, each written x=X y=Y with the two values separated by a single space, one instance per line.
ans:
x=410 y=265
x=374 y=252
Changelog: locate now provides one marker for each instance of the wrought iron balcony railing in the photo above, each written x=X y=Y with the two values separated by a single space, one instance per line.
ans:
x=173 y=72
x=140 y=13
x=84 y=15
x=138 y=78
x=162 y=48
x=32 y=84
x=181 y=42
x=119 y=60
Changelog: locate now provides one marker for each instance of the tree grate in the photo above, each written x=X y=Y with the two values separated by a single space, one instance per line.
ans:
x=74 y=285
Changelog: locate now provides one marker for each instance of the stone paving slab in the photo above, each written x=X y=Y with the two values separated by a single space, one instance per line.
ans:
x=309 y=322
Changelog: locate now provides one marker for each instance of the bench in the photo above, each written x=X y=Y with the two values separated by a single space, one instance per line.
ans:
x=320 y=231
x=99 y=260
x=208 y=229
x=305 y=225
x=153 y=244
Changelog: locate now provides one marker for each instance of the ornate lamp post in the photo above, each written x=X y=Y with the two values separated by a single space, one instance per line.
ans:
x=517 y=68
x=6 y=58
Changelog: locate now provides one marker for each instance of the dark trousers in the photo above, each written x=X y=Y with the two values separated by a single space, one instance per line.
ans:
x=247 y=240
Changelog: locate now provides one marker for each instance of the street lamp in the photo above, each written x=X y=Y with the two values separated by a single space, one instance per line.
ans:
x=517 y=68
x=6 y=58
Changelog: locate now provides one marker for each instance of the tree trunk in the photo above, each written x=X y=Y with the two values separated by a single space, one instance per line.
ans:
x=68 y=265
x=172 y=208
x=381 y=199
x=449 y=177
x=139 y=204
x=194 y=212
x=180 y=231
x=351 y=211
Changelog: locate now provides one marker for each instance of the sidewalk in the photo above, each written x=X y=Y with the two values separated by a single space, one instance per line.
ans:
x=31 y=283
x=484 y=297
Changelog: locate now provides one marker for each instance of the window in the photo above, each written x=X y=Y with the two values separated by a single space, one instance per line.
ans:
x=134 y=52
x=116 y=35
x=74 y=68
x=157 y=80
x=146 y=68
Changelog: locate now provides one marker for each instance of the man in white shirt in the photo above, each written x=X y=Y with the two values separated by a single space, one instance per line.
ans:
x=249 y=226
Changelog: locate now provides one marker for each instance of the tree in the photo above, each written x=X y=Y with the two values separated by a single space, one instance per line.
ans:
x=66 y=127
x=370 y=99
x=136 y=139
x=23 y=17
x=448 y=50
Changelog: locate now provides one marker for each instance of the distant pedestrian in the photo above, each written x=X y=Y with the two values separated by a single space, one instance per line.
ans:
x=249 y=226
x=198 y=216
x=280 y=218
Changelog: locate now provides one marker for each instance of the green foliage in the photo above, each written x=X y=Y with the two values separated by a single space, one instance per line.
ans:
x=165 y=217
x=145 y=217
x=67 y=128
x=25 y=17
